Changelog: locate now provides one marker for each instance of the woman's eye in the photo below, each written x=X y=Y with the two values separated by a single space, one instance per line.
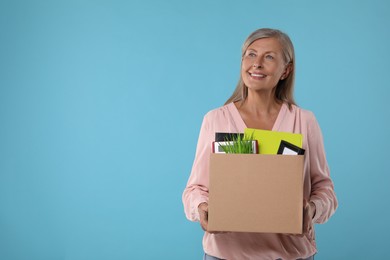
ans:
x=251 y=54
x=269 y=57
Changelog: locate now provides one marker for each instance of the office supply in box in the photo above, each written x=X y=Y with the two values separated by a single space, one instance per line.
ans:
x=287 y=148
x=269 y=141
x=223 y=137
x=218 y=146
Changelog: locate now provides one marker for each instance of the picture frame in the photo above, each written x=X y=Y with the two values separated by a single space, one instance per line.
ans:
x=287 y=148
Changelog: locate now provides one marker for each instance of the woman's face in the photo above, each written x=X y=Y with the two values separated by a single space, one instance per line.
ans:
x=263 y=65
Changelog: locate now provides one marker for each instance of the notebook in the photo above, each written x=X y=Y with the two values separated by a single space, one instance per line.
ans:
x=269 y=141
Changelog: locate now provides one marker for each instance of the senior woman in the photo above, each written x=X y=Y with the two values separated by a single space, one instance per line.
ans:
x=263 y=99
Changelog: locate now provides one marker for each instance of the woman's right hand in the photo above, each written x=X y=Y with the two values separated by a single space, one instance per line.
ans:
x=203 y=209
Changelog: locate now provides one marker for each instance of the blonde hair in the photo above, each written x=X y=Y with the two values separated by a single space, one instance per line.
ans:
x=285 y=88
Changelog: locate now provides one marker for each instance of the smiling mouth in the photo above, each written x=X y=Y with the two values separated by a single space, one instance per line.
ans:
x=257 y=75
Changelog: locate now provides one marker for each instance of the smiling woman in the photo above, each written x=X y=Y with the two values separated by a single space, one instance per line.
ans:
x=263 y=65
x=263 y=99
x=283 y=48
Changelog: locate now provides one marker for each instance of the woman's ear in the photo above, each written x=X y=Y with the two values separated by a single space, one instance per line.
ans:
x=287 y=71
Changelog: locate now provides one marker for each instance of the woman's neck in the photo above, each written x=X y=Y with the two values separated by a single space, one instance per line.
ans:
x=259 y=110
x=261 y=103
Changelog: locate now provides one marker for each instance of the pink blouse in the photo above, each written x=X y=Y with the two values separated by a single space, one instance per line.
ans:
x=318 y=187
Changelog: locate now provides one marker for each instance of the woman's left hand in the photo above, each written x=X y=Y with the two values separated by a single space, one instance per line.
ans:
x=309 y=211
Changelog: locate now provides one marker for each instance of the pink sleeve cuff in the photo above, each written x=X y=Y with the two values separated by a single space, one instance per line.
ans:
x=318 y=210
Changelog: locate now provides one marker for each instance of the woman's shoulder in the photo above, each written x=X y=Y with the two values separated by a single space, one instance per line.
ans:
x=221 y=111
x=305 y=114
x=306 y=118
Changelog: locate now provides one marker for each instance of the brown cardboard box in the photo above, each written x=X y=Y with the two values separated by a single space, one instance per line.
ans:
x=256 y=193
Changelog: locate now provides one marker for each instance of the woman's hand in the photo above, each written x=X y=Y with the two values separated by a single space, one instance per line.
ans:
x=309 y=211
x=203 y=209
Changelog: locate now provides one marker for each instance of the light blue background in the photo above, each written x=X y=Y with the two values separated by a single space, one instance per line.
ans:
x=101 y=104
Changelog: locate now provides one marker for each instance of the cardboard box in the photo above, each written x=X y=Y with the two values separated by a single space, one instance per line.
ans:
x=256 y=193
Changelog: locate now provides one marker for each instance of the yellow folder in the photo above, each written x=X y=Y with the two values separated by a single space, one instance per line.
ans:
x=269 y=141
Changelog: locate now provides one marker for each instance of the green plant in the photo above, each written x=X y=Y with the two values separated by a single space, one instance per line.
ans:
x=238 y=144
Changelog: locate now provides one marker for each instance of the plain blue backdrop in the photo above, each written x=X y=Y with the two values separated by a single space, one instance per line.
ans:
x=101 y=104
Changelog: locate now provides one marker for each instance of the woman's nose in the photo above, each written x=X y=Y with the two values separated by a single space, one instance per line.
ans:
x=258 y=63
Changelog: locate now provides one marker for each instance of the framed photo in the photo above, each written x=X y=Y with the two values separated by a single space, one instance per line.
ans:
x=223 y=137
x=287 y=148
x=218 y=146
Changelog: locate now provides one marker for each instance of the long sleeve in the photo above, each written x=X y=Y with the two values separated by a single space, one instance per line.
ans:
x=196 y=190
x=322 y=188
